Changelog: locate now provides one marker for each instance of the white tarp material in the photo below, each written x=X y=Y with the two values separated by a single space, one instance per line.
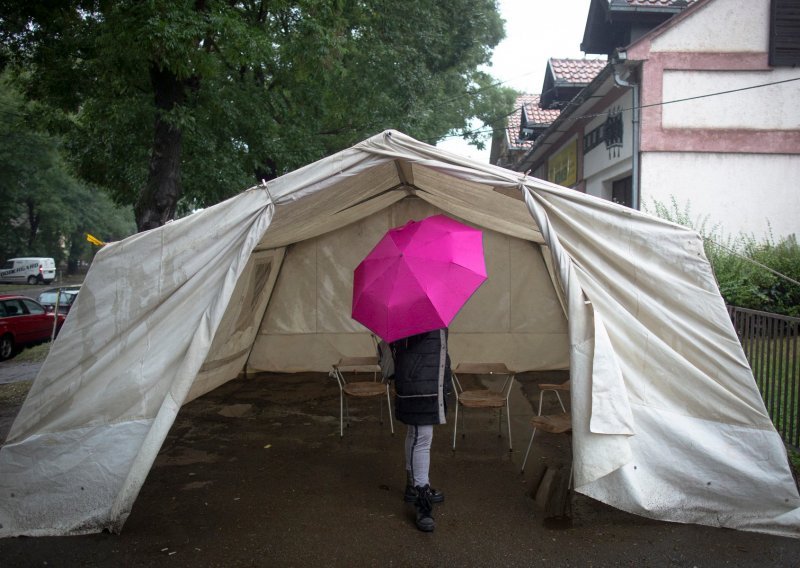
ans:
x=667 y=419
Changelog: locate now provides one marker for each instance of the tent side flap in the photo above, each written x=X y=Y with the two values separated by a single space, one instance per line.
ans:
x=107 y=394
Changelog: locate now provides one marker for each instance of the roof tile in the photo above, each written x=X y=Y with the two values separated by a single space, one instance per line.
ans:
x=658 y=3
x=576 y=71
x=534 y=115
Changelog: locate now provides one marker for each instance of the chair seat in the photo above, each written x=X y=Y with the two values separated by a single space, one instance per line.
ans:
x=555 y=387
x=365 y=388
x=553 y=423
x=482 y=399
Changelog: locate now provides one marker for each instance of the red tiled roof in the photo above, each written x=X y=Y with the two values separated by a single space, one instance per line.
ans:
x=576 y=71
x=533 y=114
x=659 y=3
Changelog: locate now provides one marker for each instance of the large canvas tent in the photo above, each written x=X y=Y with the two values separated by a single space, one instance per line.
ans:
x=667 y=419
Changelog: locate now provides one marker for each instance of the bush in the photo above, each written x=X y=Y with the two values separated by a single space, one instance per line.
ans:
x=759 y=275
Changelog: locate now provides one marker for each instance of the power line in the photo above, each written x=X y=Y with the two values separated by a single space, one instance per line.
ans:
x=481 y=130
x=752 y=261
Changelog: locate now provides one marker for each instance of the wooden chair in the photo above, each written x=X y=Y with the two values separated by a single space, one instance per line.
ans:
x=360 y=389
x=553 y=423
x=554 y=388
x=483 y=398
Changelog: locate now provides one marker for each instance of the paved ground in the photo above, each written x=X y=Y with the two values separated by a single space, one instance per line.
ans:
x=15 y=371
x=255 y=474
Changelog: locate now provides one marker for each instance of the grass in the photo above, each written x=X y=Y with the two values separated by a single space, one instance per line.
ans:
x=776 y=368
x=5 y=288
x=13 y=394
x=35 y=354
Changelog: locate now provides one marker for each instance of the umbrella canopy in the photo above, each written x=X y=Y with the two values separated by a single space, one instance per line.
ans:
x=418 y=277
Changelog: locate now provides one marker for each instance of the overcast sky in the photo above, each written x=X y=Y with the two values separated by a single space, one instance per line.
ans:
x=536 y=30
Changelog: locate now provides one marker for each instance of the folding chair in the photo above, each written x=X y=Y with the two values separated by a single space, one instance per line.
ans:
x=360 y=389
x=483 y=398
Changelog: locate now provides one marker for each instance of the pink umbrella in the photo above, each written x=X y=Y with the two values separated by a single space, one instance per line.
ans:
x=417 y=277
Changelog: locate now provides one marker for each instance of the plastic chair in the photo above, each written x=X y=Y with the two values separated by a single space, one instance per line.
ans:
x=483 y=398
x=360 y=389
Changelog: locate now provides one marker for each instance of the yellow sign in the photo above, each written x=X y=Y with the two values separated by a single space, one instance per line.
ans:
x=562 y=168
x=94 y=240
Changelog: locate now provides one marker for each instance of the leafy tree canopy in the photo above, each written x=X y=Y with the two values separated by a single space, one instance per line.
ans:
x=179 y=103
x=45 y=210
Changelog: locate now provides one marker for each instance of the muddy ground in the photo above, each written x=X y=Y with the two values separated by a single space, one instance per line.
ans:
x=255 y=474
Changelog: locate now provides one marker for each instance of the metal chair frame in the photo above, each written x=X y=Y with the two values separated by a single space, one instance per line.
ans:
x=553 y=423
x=360 y=389
x=483 y=398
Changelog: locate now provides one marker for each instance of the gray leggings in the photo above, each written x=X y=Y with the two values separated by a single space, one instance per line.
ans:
x=418 y=453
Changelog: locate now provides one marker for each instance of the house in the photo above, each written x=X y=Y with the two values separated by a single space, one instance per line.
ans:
x=524 y=125
x=696 y=106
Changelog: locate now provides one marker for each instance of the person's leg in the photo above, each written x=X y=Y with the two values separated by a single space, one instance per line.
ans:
x=418 y=452
x=418 y=461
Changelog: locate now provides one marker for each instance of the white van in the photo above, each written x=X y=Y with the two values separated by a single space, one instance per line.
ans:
x=32 y=270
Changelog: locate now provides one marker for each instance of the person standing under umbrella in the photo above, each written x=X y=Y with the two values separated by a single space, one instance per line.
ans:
x=406 y=291
x=422 y=379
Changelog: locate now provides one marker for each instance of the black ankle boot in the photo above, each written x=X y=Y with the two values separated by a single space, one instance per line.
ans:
x=424 y=507
x=410 y=495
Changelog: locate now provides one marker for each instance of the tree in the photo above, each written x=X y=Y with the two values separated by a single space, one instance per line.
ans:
x=182 y=103
x=45 y=209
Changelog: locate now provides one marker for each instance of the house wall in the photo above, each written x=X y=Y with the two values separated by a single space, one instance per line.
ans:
x=734 y=155
x=732 y=26
x=775 y=107
x=755 y=194
x=603 y=165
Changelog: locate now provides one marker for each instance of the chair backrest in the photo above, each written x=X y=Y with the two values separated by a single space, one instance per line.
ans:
x=485 y=369
x=355 y=364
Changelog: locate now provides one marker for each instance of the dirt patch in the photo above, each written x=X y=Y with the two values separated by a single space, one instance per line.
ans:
x=12 y=395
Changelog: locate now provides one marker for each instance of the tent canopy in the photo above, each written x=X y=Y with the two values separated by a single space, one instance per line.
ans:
x=667 y=420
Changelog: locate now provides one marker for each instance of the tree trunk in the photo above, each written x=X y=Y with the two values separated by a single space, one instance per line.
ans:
x=33 y=222
x=159 y=197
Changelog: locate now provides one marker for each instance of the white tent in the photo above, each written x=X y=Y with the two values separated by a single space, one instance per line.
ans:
x=667 y=419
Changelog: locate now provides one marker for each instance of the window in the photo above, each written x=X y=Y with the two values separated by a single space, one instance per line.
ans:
x=622 y=191
x=784 y=33
x=33 y=307
x=13 y=308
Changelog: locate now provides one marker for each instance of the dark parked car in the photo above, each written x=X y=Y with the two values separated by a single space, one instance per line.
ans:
x=67 y=297
x=24 y=323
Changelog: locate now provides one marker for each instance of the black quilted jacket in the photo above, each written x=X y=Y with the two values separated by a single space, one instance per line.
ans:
x=422 y=378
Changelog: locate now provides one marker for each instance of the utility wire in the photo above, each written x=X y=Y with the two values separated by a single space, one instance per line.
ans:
x=752 y=261
x=480 y=130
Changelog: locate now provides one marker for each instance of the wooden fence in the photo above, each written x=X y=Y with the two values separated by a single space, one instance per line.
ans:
x=771 y=343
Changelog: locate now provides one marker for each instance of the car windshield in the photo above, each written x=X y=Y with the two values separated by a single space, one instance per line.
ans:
x=67 y=297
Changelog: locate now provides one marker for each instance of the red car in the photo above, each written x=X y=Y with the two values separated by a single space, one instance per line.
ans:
x=23 y=323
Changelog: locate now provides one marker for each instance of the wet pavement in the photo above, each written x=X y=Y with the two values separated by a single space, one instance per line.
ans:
x=255 y=474
x=15 y=371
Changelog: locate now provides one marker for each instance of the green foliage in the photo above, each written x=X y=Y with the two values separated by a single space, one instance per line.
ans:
x=45 y=210
x=257 y=89
x=751 y=273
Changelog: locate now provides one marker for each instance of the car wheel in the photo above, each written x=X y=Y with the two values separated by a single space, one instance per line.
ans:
x=6 y=347
x=32 y=280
